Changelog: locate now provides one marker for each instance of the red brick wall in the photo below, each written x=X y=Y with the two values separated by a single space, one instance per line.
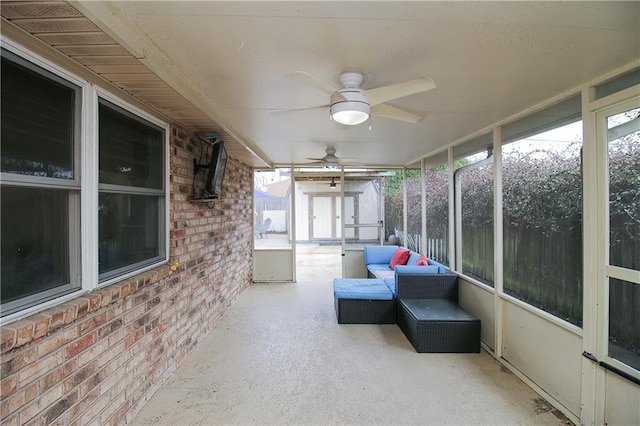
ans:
x=98 y=358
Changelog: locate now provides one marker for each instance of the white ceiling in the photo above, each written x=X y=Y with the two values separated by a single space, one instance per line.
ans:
x=489 y=60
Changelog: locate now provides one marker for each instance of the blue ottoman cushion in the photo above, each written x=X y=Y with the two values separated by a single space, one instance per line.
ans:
x=365 y=288
x=363 y=301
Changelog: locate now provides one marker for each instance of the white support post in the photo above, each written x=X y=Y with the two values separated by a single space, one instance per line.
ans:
x=498 y=247
x=453 y=242
x=590 y=225
x=423 y=197
x=383 y=212
x=342 y=221
x=405 y=220
x=292 y=231
x=457 y=197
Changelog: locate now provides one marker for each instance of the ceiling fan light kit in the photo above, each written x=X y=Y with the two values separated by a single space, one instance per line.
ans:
x=349 y=107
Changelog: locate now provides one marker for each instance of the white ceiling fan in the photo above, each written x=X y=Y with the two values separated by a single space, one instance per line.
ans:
x=352 y=105
x=329 y=161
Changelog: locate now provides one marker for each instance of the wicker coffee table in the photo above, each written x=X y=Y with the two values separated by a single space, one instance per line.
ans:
x=438 y=325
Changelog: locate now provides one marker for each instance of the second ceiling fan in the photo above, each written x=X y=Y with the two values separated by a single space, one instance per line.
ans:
x=352 y=105
x=331 y=161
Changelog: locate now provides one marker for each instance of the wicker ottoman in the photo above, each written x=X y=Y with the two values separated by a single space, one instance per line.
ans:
x=363 y=301
x=438 y=325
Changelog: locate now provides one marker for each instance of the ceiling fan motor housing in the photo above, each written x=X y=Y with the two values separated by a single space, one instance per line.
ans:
x=351 y=80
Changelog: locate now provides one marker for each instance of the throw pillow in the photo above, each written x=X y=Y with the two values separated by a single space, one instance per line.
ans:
x=400 y=257
x=422 y=261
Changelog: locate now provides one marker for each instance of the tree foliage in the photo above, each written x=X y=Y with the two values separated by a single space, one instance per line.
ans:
x=543 y=190
x=437 y=193
x=393 y=184
x=624 y=190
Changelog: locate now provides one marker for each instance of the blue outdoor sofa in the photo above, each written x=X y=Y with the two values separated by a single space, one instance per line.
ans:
x=422 y=300
x=408 y=281
x=377 y=259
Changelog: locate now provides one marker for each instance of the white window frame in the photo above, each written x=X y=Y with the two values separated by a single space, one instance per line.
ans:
x=163 y=199
x=457 y=203
x=73 y=186
x=84 y=251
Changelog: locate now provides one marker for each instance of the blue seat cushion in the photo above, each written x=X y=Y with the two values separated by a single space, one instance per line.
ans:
x=391 y=283
x=382 y=275
x=361 y=288
x=374 y=267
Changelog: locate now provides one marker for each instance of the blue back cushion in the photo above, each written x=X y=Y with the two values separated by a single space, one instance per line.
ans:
x=419 y=270
x=378 y=254
x=441 y=268
x=413 y=258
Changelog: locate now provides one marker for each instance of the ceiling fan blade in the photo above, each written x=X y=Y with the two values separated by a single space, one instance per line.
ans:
x=388 y=111
x=316 y=81
x=315 y=159
x=321 y=107
x=387 y=93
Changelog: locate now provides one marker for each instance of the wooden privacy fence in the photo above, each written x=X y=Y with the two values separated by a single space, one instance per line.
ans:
x=544 y=268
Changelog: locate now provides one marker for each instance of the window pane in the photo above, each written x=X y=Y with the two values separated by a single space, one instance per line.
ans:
x=35 y=241
x=128 y=230
x=476 y=191
x=412 y=236
x=130 y=150
x=624 y=322
x=272 y=209
x=37 y=123
x=393 y=208
x=542 y=214
x=437 y=191
x=624 y=189
x=394 y=221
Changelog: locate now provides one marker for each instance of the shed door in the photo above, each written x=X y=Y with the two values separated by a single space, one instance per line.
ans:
x=322 y=215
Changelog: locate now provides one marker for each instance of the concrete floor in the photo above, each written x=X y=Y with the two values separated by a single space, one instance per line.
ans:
x=279 y=357
x=316 y=262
